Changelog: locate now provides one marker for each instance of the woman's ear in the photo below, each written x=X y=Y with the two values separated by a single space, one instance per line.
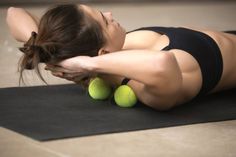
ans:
x=102 y=51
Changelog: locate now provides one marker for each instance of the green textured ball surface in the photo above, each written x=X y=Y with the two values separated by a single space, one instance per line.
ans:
x=125 y=97
x=98 y=89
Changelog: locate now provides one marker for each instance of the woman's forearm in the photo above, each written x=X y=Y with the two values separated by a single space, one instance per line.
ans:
x=21 y=23
x=139 y=65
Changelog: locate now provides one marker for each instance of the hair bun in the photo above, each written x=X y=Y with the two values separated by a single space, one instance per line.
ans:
x=31 y=51
x=29 y=45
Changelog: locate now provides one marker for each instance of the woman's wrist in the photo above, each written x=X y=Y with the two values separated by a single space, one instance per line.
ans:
x=91 y=65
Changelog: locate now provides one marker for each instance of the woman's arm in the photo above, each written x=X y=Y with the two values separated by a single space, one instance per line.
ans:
x=145 y=66
x=21 y=23
x=156 y=77
x=152 y=68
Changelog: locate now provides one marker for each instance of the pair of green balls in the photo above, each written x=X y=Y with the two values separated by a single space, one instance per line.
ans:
x=124 y=96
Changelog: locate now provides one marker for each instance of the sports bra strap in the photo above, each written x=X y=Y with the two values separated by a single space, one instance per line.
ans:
x=125 y=81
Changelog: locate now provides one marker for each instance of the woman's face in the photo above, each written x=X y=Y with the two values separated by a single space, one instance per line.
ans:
x=113 y=31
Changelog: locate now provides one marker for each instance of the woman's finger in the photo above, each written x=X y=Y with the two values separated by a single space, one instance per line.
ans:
x=57 y=74
x=58 y=69
x=68 y=75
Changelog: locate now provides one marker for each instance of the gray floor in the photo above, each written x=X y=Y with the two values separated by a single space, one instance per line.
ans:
x=211 y=139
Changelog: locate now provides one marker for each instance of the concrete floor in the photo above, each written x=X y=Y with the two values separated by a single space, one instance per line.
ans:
x=208 y=139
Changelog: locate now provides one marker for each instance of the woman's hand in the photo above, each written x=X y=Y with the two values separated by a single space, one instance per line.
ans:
x=73 y=69
x=77 y=64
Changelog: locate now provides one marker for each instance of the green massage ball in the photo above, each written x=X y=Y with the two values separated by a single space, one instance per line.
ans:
x=125 y=97
x=98 y=89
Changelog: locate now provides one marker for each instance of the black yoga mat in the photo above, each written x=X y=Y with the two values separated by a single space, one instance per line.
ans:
x=62 y=111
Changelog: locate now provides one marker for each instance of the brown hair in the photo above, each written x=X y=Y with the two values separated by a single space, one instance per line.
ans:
x=64 y=31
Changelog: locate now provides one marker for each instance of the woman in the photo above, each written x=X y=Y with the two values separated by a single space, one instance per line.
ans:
x=165 y=66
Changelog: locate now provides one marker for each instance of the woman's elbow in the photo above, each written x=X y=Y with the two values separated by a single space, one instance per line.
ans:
x=160 y=61
x=11 y=11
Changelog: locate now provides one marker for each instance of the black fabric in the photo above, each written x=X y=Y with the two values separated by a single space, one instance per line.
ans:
x=202 y=47
x=62 y=111
x=125 y=81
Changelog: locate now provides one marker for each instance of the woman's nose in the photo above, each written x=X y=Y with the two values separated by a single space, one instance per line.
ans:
x=108 y=15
